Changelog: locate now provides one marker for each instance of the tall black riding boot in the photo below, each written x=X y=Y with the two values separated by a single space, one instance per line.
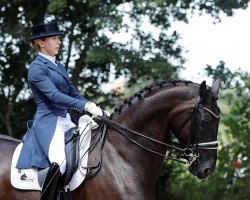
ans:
x=51 y=184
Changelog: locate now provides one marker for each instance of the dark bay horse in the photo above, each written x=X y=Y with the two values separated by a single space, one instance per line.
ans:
x=137 y=138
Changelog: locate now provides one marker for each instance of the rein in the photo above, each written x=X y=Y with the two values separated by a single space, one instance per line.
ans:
x=121 y=129
x=174 y=148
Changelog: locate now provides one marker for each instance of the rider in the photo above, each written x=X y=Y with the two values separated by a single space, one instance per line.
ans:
x=54 y=94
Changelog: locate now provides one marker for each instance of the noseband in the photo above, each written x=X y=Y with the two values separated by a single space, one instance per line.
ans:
x=190 y=153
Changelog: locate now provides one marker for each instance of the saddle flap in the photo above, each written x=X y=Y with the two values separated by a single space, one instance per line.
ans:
x=72 y=157
x=69 y=135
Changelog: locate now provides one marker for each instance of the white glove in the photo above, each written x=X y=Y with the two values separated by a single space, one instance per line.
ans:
x=93 y=109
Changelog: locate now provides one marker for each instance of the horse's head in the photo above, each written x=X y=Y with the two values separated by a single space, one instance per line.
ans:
x=198 y=133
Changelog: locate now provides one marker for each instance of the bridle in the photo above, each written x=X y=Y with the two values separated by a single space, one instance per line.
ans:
x=185 y=155
x=191 y=151
x=175 y=151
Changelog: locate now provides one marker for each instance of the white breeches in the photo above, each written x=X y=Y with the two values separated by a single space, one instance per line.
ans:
x=57 y=145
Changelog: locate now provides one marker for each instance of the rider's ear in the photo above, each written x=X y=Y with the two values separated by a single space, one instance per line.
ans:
x=203 y=91
x=216 y=85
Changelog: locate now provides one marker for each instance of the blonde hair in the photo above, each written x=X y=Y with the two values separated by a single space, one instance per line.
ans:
x=35 y=45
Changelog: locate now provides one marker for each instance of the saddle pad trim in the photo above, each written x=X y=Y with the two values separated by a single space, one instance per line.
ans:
x=25 y=179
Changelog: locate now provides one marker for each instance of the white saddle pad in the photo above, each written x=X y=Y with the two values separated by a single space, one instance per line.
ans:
x=27 y=179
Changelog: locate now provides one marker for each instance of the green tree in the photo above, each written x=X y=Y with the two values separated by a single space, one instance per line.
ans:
x=14 y=56
x=87 y=51
x=234 y=166
x=92 y=57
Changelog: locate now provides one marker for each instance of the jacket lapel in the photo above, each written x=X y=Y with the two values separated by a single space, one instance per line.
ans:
x=59 y=68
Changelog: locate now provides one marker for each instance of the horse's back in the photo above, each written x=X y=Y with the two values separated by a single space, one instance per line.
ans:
x=6 y=137
x=7 y=147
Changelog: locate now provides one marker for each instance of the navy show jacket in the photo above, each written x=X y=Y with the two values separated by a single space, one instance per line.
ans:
x=54 y=94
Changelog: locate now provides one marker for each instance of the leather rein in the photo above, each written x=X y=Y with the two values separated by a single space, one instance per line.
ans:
x=185 y=155
x=189 y=153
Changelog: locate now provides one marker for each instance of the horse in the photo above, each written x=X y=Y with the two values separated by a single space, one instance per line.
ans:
x=138 y=138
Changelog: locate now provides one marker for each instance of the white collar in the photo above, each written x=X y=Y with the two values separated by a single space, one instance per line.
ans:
x=51 y=58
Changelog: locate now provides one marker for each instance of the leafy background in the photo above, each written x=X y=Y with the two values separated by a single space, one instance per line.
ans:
x=93 y=59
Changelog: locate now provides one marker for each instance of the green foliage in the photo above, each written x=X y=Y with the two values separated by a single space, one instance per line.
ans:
x=56 y=4
x=235 y=143
x=15 y=51
x=87 y=51
x=89 y=55
x=221 y=70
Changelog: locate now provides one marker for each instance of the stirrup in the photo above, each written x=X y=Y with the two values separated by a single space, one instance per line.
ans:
x=51 y=184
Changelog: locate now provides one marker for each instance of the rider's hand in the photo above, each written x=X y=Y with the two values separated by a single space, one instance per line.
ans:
x=93 y=109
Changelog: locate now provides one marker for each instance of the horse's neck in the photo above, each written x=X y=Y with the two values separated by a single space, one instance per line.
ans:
x=156 y=107
x=150 y=116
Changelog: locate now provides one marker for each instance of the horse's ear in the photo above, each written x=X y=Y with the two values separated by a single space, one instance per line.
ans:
x=216 y=85
x=203 y=90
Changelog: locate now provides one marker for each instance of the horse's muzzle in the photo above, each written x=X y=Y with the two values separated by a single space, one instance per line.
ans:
x=202 y=169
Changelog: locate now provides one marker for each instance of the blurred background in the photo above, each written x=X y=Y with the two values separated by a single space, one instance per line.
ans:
x=113 y=48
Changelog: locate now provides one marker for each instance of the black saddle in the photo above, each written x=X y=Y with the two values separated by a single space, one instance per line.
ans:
x=71 y=150
x=72 y=139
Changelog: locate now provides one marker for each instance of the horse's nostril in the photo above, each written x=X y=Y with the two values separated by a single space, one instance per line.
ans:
x=207 y=171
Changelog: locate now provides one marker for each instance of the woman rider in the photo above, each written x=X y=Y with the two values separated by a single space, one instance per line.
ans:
x=54 y=95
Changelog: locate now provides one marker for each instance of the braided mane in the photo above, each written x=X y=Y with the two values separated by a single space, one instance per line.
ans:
x=148 y=88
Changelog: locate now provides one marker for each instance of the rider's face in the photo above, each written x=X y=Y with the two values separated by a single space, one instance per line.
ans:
x=50 y=45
